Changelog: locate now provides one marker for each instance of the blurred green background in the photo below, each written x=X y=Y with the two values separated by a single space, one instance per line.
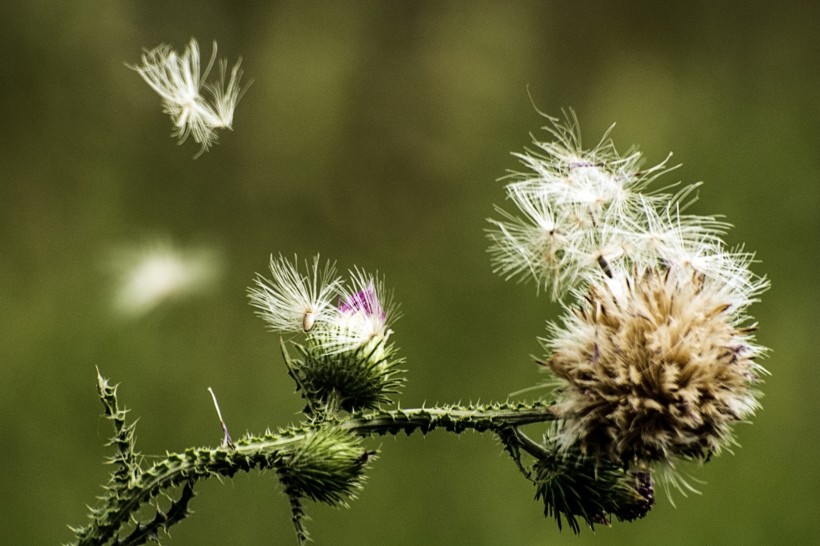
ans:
x=375 y=133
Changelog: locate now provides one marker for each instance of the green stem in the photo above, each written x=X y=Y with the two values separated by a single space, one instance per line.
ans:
x=451 y=418
x=180 y=469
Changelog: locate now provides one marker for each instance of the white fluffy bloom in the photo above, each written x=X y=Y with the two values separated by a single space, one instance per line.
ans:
x=293 y=301
x=179 y=81
x=536 y=244
x=334 y=317
x=580 y=213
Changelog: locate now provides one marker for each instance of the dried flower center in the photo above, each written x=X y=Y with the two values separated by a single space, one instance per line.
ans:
x=654 y=366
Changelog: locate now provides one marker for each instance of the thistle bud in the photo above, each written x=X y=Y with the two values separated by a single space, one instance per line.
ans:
x=575 y=487
x=642 y=499
x=326 y=467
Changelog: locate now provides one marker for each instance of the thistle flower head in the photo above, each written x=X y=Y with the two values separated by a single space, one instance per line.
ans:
x=346 y=361
x=178 y=80
x=656 y=361
x=653 y=366
x=336 y=317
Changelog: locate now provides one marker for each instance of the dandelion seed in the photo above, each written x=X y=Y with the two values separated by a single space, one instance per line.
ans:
x=308 y=321
x=178 y=81
x=540 y=244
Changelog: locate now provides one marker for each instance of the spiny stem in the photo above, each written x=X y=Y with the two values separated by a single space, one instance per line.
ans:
x=162 y=520
x=266 y=452
x=529 y=445
x=298 y=517
x=181 y=468
x=451 y=418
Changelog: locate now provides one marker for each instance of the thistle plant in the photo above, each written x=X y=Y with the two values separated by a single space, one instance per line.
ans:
x=654 y=361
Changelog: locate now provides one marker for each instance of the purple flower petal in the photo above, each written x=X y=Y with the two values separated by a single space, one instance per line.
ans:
x=364 y=301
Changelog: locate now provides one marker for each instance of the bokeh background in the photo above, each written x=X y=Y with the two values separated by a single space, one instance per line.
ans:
x=374 y=133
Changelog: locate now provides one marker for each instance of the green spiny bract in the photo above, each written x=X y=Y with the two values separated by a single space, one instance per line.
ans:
x=642 y=500
x=360 y=378
x=573 y=486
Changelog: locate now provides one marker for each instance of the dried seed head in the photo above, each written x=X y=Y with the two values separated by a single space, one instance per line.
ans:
x=654 y=366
